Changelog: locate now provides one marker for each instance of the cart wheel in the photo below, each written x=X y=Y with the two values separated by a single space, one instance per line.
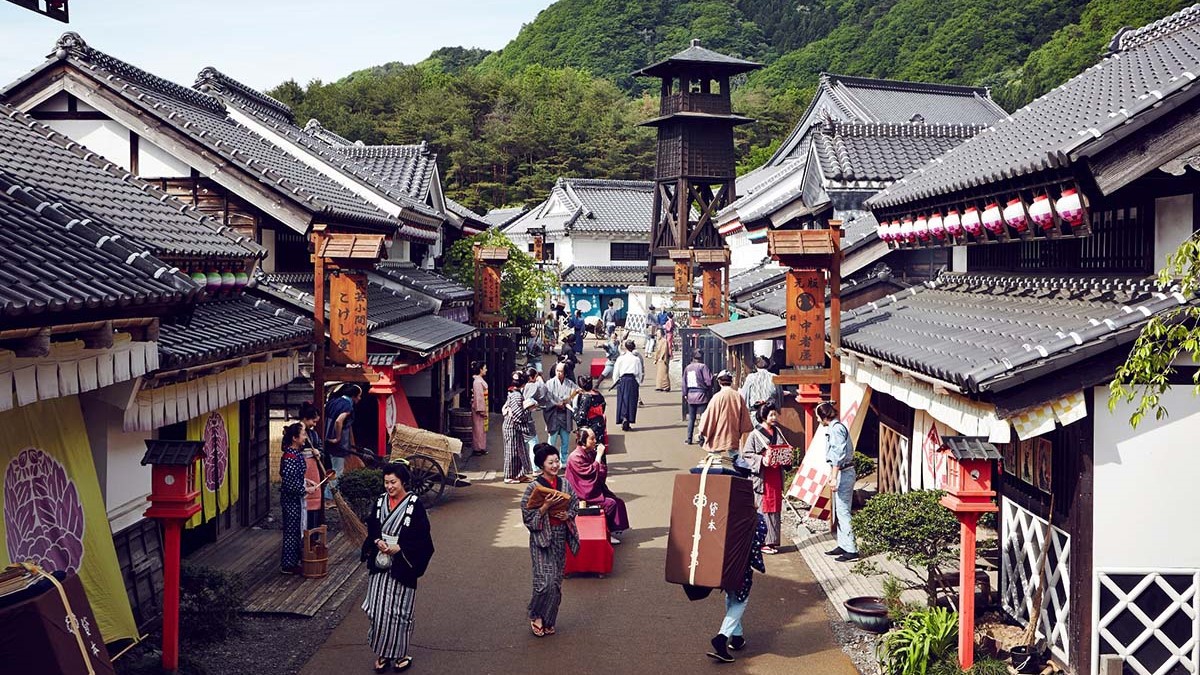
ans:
x=428 y=479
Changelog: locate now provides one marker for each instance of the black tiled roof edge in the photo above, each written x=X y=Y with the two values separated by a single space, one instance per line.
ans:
x=700 y=55
x=251 y=247
x=897 y=130
x=447 y=290
x=1126 y=318
x=421 y=335
x=315 y=128
x=169 y=284
x=264 y=104
x=463 y=212
x=231 y=328
x=338 y=157
x=615 y=275
x=396 y=150
x=120 y=75
x=289 y=288
x=1128 y=39
x=171 y=453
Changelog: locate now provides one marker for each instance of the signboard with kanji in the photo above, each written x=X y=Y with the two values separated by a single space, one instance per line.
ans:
x=490 y=289
x=348 y=317
x=806 y=318
x=712 y=294
x=683 y=279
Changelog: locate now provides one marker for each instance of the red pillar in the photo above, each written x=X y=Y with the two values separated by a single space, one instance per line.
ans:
x=966 y=590
x=172 y=529
x=381 y=447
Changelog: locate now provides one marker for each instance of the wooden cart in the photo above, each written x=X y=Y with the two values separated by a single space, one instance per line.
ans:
x=432 y=461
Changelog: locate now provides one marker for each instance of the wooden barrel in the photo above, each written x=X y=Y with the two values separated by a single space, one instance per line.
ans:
x=460 y=421
x=314 y=560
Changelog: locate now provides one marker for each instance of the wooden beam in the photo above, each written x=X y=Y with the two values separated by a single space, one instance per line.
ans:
x=100 y=337
x=811 y=376
x=33 y=346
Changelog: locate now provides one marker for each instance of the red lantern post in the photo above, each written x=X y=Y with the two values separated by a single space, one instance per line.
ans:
x=173 y=500
x=966 y=476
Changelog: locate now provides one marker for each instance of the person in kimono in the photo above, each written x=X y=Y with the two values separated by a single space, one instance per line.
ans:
x=662 y=362
x=612 y=350
x=568 y=356
x=292 y=494
x=726 y=420
x=589 y=409
x=761 y=456
x=628 y=373
x=518 y=425
x=397 y=551
x=549 y=537
x=759 y=386
x=315 y=465
x=587 y=472
x=732 y=635
x=479 y=408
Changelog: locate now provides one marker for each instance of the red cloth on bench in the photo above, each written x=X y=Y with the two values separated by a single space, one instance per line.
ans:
x=598 y=367
x=595 y=553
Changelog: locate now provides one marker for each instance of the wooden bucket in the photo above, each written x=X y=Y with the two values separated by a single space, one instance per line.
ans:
x=314 y=559
x=460 y=424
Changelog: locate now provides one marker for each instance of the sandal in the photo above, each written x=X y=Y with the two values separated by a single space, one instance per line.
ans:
x=400 y=665
x=549 y=630
x=538 y=631
x=381 y=665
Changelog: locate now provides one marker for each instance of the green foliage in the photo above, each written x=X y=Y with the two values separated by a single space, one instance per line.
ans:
x=523 y=286
x=209 y=602
x=863 y=465
x=925 y=639
x=897 y=608
x=1166 y=339
x=989 y=667
x=912 y=528
x=360 y=488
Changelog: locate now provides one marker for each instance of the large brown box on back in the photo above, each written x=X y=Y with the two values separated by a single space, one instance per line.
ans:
x=723 y=517
x=37 y=637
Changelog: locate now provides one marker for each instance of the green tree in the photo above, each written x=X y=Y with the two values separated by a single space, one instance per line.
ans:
x=1164 y=342
x=523 y=286
x=912 y=528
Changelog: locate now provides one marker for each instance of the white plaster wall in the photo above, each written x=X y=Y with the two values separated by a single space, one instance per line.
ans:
x=564 y=252
x=56 y=103
x=128 y=482
x=743 y=254
x=268 y=242
x=1172 y=225
x=104 y=137
x=958 y=259
x=154 y=162
x=1146 y=496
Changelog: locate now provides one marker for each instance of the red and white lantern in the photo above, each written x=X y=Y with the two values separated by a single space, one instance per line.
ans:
x=1070 y=207
x=1014 y=215
x=1041 y=214
x=971 y=222
x=953 y=224
x=906 y=231
x=992 y=219
x=921 y=228
x=881 y=230
x=937 y=229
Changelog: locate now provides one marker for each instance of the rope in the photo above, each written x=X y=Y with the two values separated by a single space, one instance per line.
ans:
x=699 y=501
x=72 y=621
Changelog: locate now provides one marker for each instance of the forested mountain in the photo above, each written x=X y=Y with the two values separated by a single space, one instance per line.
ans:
x=559 y=98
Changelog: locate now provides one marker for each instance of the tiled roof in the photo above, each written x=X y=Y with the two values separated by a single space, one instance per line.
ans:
x=881 y=153
x=595 y=207
x=695 y=54
x=768 y=273
x=970 y=447
x=39 y=156
x=1154 y=67
x=227 y=329
x=972 y=330
x=314 y=127
x=604 y=276
x=172 y=453
x=423 y=334
x=203 y=119
x=502 y=217
x=771 y=298
x=60 y=258
x=471 y=220
x=261 y=103
x=864 y=99
x=384 y=305
x=426 y=281
x=752 y=325
x=409 y=168
x=794 y=181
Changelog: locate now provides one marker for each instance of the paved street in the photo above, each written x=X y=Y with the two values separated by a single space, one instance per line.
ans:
x=471 y=603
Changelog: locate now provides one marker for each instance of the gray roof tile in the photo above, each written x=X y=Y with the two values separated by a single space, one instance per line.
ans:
x=1158 y=63
x=970 y=329
x=384 y=305
x=426 y=281
x=697 y=55
x=502 y=217
x=605 y=276
x=424 y=334
x=596 y=207
x=230 y=328
x=882 y=153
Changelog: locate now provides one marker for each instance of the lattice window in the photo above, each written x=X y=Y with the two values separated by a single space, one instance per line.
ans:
x=1150 y=619
x=893 y=460
x=1022 y=538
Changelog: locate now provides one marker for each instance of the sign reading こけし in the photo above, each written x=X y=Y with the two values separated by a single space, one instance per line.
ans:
x=348 y=317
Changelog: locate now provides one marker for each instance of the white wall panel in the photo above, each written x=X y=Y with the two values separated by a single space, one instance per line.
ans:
x=154 y=162
x=104 y=137
x=1172 y=225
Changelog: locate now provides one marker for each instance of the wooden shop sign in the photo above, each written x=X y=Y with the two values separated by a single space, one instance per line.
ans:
x=348 y=317
x=805 y=318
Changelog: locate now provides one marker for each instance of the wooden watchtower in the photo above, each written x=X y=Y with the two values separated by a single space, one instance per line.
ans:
x=695 y=170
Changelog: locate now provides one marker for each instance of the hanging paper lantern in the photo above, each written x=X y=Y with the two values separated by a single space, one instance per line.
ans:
x=200 y=279
x=1041 y=214
x=953 y=224
x=1014 y=215
x=936 y=228
x=906 y=230
x=1070 y=207
x=992 y=219
x=241 y=279
x=921 y=228
x=971 y=222
x=228 y=280
x=214 y=281
x=884 y=231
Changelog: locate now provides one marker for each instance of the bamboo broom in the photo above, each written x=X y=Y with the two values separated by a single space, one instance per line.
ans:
x=351 y=523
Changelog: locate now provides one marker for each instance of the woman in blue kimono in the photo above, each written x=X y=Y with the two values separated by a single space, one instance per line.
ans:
x=292 y=492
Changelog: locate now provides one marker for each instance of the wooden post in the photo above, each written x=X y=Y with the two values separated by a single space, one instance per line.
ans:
x=835 y=317
x=318 y=239
x=382 y=439
x=966 y=589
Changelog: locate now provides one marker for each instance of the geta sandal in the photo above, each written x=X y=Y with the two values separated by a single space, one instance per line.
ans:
x=402 y=664
x=538 y=631
x=381 y=665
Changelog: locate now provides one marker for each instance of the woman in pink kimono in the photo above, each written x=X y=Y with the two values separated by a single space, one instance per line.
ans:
x=766 y=454
x=479 y=408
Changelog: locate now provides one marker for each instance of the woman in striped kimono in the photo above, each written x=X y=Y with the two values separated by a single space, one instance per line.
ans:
x=292 y=493
x=549 y=536
x=397 y=551
x=518 y=426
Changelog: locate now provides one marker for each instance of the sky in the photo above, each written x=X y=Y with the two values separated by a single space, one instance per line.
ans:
x=262 y=42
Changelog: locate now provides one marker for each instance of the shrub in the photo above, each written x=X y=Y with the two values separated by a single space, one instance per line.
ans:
x=989 y=667
x=209 y=602
x=920 y=644
x=897 y=608
x=863 y=465
x=361 y=487
x=912 y=528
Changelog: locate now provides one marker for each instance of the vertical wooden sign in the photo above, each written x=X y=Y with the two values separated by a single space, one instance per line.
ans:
x=348 y=317
x=539 y=248
x=491 y=289
x=806 y=318
x=683 y=280
x=712 y=296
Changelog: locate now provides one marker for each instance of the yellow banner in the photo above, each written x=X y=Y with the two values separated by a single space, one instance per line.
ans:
x=217 y=469
x=53 y=513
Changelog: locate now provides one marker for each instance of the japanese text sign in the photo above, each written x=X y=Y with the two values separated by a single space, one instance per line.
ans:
x=348 y=317
x=806 y=318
